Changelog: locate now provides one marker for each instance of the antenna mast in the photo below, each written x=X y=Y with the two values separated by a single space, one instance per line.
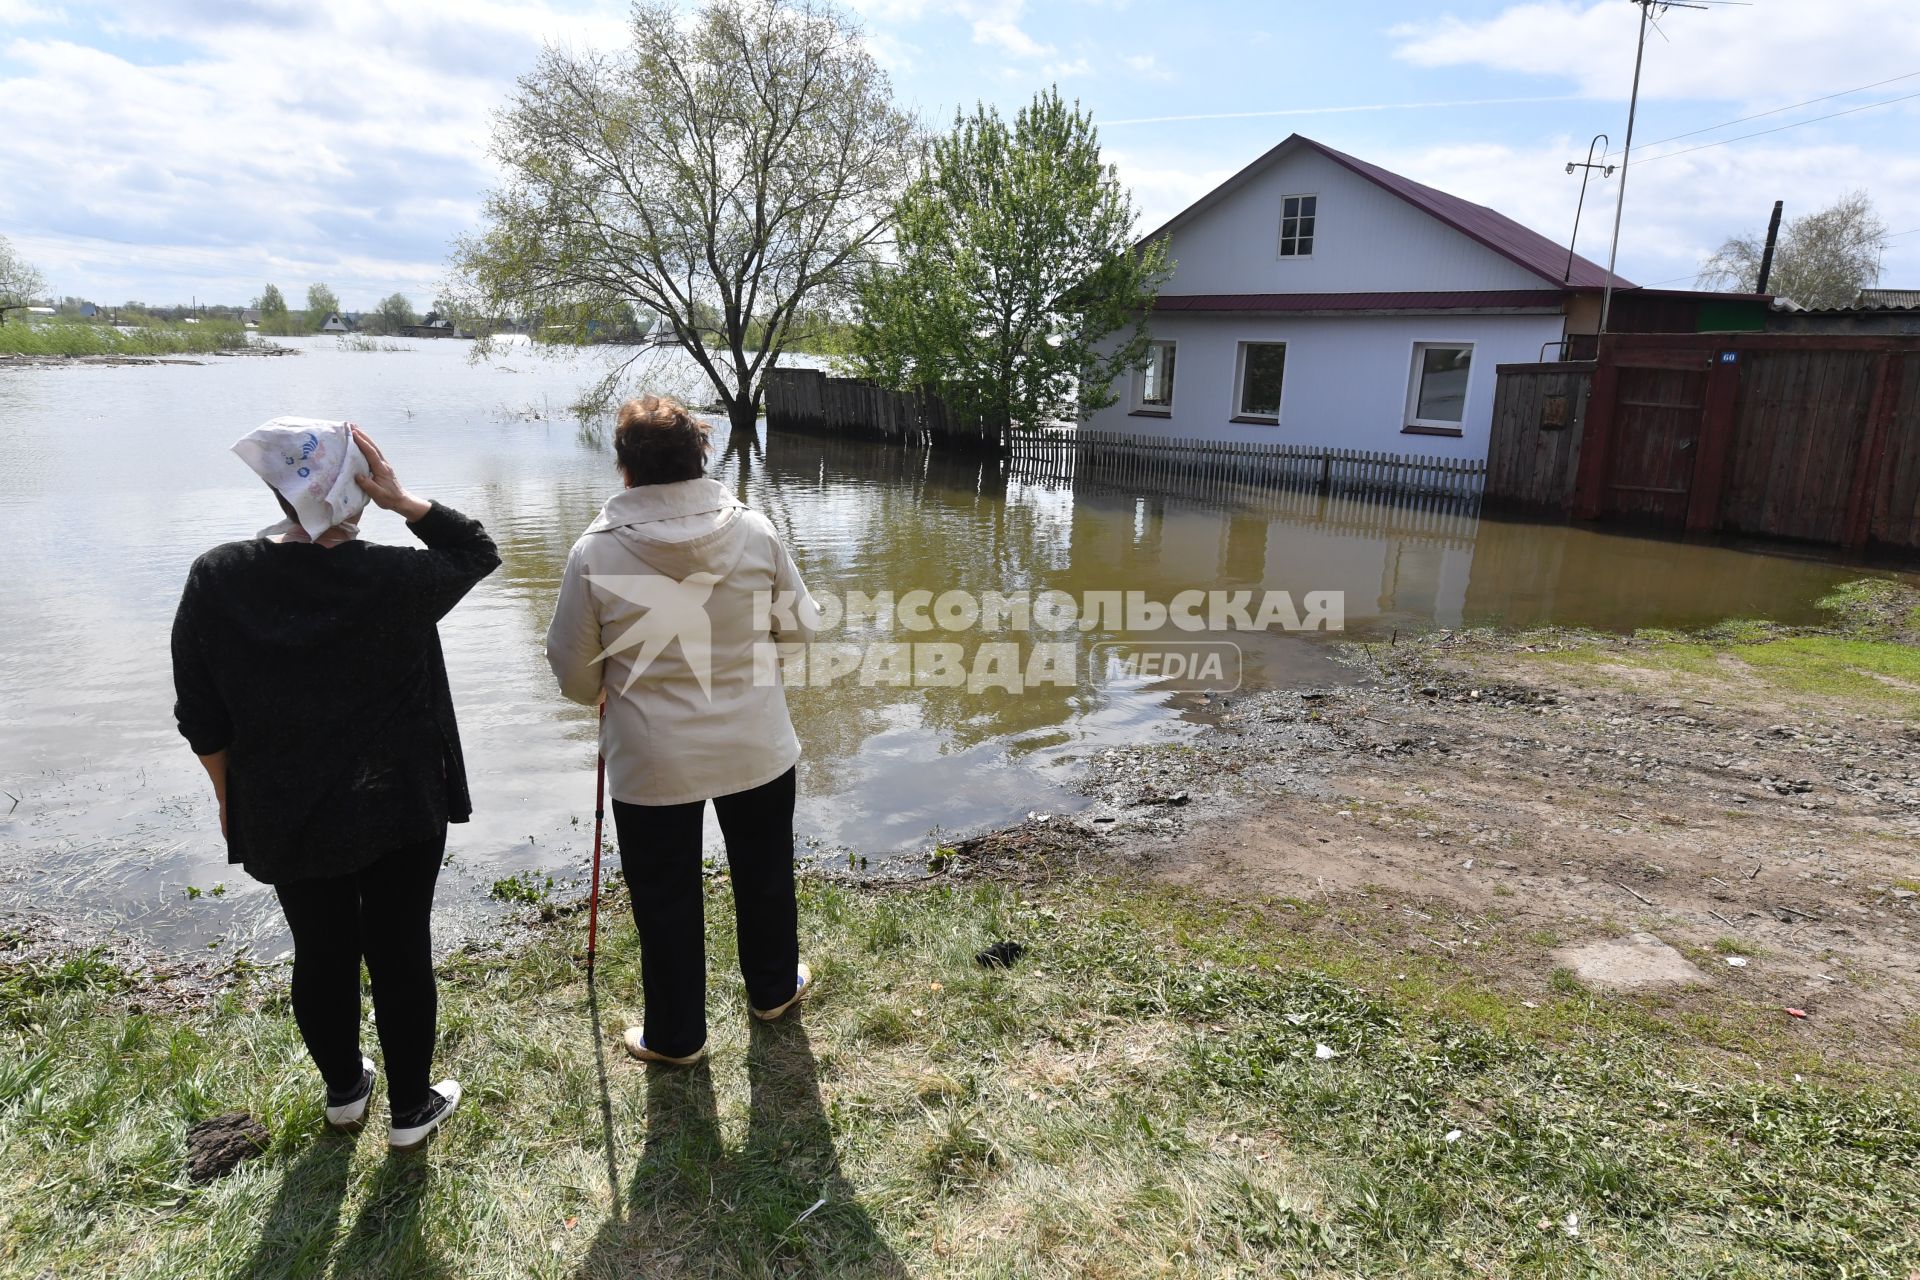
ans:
x=1626 y=153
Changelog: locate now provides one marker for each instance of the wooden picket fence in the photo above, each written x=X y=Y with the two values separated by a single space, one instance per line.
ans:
x=1070 y=455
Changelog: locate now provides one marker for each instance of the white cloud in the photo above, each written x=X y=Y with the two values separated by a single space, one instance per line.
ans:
x=1145 y=64
x=19 y=13
x=1767 y=51
x=992 y=22
x=1160 y=190
x=1067 y=70
x=355 y=130
x=1677 y=211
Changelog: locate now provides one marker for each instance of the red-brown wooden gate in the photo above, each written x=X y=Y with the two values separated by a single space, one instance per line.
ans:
x=1656 y=425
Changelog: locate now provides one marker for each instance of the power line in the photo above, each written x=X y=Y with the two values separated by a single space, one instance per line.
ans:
x=1761 y=133
x=1774 y=111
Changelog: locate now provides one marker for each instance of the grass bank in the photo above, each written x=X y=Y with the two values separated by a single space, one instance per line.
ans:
x=1164 y=1084
x=1867 y=658
x=79 y=339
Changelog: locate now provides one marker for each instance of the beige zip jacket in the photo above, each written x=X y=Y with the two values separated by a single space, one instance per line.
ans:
x=658 y=608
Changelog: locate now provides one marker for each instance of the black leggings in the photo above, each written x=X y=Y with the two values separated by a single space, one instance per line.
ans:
x=380 y=913
x=660 y=855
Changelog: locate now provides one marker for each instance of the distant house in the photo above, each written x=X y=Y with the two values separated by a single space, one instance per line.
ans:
x=250 y=315
x=1320 y=300
x=334 y=324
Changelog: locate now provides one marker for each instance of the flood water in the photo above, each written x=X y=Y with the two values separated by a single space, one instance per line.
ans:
x=113 y=479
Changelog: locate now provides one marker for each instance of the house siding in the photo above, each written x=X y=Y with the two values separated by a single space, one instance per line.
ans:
x=1347 y=378
x=1365 y=239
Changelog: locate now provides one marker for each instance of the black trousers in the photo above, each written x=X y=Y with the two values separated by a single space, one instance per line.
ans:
x=380 y=914
x=660 y=855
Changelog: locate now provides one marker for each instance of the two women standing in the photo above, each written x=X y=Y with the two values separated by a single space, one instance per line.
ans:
x=310 y=683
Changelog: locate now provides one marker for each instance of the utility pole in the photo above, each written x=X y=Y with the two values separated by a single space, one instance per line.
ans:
x=1766 y=255
x=1626 y=153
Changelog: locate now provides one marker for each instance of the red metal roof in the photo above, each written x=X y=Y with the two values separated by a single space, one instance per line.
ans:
x=1518 y=244
x=1475 y=300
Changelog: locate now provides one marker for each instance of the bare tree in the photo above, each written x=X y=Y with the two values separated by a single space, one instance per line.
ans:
x=1823 y=259
x=719 y=172
x=20 y=281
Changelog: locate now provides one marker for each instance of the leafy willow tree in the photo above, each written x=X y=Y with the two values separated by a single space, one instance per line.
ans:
x=271 y=302
x=720 y=171
x=1822 y=259
x=396 y=312
x=20 y=281
x=321 y=303
x=1018 y=295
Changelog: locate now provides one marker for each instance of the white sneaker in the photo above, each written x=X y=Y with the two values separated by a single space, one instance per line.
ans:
x=410 y=1133
x=636 y=1043
x=802 y=982
x=348 y=1115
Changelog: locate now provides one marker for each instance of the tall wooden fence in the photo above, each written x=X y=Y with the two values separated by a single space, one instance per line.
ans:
x=1539 y=415
x=1809 y=437
x=807 y=400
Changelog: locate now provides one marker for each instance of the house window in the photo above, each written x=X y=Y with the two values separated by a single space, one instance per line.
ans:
x=1153 y=382
x=1438 y=398
x=1262 y=368
x=1297 y=217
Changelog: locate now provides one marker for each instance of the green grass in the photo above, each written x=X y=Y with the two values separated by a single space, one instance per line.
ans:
x=72 y=338
x=1141 y=1094
x=1865 y=659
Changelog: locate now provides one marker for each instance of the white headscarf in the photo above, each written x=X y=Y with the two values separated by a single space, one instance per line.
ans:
x=313 y=465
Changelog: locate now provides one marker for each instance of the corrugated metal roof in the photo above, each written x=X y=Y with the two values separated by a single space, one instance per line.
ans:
x=1475 y=300
x=1518 y=244
x=1888 y=298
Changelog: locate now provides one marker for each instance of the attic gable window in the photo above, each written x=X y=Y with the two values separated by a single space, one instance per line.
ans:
x=1297 y=217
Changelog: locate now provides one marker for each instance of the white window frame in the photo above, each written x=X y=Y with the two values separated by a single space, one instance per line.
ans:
x=1140 y=405
x=1415 y=372
x=1239 y=414
x=1280 y=229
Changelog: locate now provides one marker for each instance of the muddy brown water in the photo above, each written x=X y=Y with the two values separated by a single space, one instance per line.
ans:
x=113 y=479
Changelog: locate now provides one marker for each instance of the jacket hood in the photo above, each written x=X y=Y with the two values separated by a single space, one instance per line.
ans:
x=678 y=529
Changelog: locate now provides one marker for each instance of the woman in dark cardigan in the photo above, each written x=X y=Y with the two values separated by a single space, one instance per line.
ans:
x=311 y=685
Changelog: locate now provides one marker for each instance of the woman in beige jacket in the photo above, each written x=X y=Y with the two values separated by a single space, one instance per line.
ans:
x=667 y=609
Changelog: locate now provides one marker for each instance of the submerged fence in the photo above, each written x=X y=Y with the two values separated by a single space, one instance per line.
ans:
x=809 y=401
x=1122 y=458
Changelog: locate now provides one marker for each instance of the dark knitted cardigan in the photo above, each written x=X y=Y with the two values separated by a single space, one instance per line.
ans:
x=319 y=671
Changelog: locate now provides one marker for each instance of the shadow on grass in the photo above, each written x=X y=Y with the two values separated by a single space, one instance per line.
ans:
x=297 y=1236
x=386 y=1239
x=777 y=1206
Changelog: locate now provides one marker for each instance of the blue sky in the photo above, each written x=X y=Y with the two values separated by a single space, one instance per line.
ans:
x=199 y=148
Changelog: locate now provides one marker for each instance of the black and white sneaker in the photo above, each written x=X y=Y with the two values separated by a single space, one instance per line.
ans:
x=347 y=1112
x=411 y=1131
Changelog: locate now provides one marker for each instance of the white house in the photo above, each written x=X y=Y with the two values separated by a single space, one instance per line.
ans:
x=1317 y=299
x=333 y=323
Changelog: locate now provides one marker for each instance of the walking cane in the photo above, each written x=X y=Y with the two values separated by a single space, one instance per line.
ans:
x=599 y=818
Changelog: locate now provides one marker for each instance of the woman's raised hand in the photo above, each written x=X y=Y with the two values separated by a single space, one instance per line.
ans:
x=381 y=485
